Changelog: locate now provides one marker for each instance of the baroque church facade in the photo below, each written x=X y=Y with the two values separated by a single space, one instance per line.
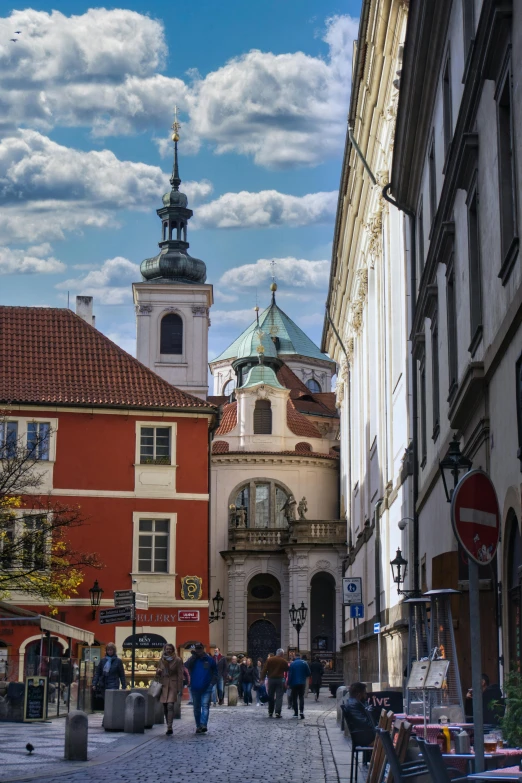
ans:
x=276 y=540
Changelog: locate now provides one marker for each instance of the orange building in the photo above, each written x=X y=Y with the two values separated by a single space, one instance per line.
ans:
x=132 y=451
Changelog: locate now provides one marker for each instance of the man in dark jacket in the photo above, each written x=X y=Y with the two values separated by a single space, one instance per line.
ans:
x=298 y=674
x=222 y=670
x=357 y=716
x=203 y=676
x=275 y=669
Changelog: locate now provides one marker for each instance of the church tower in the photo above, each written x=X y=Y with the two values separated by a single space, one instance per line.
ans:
x=172 y=303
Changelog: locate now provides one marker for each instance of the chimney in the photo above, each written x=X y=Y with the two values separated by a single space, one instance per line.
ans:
x=84 y=309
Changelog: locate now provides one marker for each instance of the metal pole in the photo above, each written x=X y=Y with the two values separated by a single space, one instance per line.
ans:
x=298 y=629
x=133 y=638
x=476 y=664
x=358 y=650
x=379 y=651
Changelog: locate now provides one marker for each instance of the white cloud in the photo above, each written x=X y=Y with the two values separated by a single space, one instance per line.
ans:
x=284 y=110
x=221 y=296
x=33 y=260
x=102 y=70
x=68 y=189
x=232 y=317
x=124 y=335
x=110 y=284
x=266 y=209
x=297 y=272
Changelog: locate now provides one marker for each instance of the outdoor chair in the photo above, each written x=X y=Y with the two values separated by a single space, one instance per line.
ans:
x=356 y=750
x=406 y=770
x=439 y=772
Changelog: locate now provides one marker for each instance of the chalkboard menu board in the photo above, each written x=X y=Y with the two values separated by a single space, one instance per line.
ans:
x=35 y=700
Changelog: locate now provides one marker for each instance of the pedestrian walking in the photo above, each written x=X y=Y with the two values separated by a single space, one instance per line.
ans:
x=170 y=675
x=257 y=680
x=248 y=676
x=298 y=673
x=275 y=669
x=109 y=672
x=222 y=669
x=234 y=672
x=317 y=671
x=203 y=676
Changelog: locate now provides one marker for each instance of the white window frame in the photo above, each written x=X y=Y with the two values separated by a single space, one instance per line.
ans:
x=155 y=425
x=171 y=557
x=23 y=431
x=18 y=531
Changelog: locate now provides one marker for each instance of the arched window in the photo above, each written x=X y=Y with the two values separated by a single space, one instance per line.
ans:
x=263 y=418
x=229 y=387
x=165 y=231
x=171 y=334
x=314 y=386
x=260 y=503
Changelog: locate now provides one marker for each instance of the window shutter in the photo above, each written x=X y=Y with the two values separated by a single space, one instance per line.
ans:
x=263 y=418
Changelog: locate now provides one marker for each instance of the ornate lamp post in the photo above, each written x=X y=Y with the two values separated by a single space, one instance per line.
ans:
x=96 y=595
x=454 y=462
x=298 y=618
x=218 y=613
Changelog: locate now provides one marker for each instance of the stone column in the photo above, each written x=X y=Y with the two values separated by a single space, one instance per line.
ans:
x=299 y=591
x=237 y=606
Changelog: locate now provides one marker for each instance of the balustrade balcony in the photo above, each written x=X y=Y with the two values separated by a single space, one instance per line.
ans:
x=302 y=531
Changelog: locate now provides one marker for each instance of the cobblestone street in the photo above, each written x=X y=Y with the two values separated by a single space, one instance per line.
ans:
x=242 y=744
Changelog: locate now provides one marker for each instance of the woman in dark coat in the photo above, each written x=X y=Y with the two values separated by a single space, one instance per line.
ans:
x=247 y=679
x=316 y=667
x=109 y=672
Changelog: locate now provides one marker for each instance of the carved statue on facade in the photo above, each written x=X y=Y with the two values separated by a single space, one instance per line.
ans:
x=241 y=516
x=232 y=515
x=289 y=509
x=302 y=508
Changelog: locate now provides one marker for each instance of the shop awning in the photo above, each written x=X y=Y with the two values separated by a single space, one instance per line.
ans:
x=45 y=623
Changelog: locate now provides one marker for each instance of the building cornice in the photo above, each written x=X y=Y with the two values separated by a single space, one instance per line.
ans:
x=275 y=458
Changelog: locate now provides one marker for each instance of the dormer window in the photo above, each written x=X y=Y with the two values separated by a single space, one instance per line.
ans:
x=263 y=418
x=171 y=341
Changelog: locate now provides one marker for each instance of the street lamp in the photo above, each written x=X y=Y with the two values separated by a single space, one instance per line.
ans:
x=218 y=613
x=399 y=567
x=453 y=462
x=96 y=595
x=298 y=618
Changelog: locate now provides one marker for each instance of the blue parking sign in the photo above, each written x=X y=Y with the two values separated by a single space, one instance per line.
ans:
x=357 y=611
x=376 y=627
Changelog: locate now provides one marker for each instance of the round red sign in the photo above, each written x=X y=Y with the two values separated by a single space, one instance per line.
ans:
x=475 y=516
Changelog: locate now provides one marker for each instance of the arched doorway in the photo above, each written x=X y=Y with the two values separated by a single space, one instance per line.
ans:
x=514 y=587
x=322 y=616
x=263 y=616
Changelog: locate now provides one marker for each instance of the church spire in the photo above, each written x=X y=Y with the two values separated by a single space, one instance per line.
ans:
x=175 y=180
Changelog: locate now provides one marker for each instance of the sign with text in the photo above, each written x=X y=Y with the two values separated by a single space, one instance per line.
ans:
x=188 y=616
x=352 y=590
x=35 y=698
x=120 y=614
x=386 y=700
x=376 y=627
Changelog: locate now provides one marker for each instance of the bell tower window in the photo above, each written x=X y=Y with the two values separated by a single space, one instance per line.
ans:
x=263 y=418
x=165 y=231
x=171 y=334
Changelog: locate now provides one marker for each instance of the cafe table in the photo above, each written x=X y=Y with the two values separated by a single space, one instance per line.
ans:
x=508 y=773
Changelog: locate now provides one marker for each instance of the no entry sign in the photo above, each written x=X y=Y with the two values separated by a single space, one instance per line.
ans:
x=475 y=516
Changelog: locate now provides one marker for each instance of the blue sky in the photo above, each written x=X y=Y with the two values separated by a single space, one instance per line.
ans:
x=87 y=97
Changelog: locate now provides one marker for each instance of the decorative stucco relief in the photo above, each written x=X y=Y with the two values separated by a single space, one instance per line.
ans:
x=359 y=300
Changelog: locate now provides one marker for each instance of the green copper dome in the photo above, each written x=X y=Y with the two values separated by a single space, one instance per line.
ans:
x=261 y=374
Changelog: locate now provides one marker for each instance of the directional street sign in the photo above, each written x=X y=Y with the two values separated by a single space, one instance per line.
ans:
x=352 y=590
x=376 y=627
x=123 y=598
x=118 y=615
x=475 y=516
x=356 y=611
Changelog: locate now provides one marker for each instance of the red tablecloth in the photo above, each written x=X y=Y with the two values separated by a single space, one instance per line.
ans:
x=503 y=757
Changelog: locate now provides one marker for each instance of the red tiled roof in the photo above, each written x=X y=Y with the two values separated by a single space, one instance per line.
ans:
x=305 y=401
x=299 y=424
x=303 y=448
x=217 y=400
x=51 y=356
x=327 y=399
x=220 y=447
x=228 y=420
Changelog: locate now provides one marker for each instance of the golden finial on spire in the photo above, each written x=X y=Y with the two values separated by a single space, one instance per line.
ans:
x=175 y=125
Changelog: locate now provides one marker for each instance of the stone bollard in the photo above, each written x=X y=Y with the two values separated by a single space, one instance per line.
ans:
x=150 y=706
x=339 y=698
x=134 y=714
x=177 y=708
x=114 y=710
x=232 y=695
x=76 y=730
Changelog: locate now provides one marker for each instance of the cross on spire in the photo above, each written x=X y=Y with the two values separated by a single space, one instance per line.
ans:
x=175 y=179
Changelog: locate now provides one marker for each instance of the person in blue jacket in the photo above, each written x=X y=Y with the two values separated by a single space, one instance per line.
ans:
x=203 y=677
x=298 y=673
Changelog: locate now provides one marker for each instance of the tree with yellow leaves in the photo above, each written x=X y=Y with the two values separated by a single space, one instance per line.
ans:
x=37 y=554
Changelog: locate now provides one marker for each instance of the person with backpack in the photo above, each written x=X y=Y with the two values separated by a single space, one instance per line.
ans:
x=203 y=676
x=317 y=670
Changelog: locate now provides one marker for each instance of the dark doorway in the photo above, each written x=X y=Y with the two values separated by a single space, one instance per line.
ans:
x=263 y=638
x=322 y=616
x=263 y=615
